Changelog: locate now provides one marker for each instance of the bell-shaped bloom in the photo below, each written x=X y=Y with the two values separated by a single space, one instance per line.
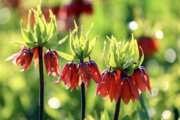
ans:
x=142 y=79
x=22 y=58
x=74 y=74
x=108 y=85
x=52 y=63
x=149 y=45
x=69 y=75
x=94 y=70
x=118 y=84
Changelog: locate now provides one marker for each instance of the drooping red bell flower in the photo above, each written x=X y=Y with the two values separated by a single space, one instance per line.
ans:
x=142 y=79
x=22 y=58
x=74 y=74
x=51 y=63
x=108 y=85
x=149 y=45
x=117 y=84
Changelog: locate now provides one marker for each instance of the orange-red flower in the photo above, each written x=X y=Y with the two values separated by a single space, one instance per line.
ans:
x=142 y=79
x=74 y=74
x=22 y=58
x=52 y=63
x=118 y=84
x=149 y=45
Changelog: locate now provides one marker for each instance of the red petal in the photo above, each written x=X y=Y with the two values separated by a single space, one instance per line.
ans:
x=84 y=73
x=36 y=56
x=75 y=79
x=93 y=68
x=126 y=92
x=112 y=88
x=134 y=88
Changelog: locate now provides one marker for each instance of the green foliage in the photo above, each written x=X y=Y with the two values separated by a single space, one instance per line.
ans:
x=81 y=46
x=41 y=33
x=122 y=55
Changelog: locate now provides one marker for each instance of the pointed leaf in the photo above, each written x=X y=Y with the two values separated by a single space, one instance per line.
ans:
x=65 y=56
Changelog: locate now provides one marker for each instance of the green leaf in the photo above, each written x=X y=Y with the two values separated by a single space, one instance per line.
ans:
x=63 y=40
x=65 y=56
x=141 y=59
x=126 y=118
x=105 y=116
x=19 y=42
x=142 y=111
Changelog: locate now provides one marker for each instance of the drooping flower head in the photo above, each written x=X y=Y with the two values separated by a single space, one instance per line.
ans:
x=40 y=35
x=125 y=78
x=75 y=73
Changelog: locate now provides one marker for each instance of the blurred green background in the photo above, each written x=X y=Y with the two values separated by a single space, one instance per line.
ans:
x=160 y=19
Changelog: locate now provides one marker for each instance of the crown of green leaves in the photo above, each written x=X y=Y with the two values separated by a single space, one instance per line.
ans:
x=42 y=33
x=81 y=46
x=122 y=55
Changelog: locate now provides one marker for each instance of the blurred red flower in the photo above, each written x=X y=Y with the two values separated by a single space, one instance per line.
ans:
x=149 y=45
x=52 y=63
x=118 y=84
x=74 y=74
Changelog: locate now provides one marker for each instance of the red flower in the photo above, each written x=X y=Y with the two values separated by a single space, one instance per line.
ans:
x=52 y=63
x=149 y=45
x=74 y=74
x=118 y=84
x=22 y=58
x=70 y=12
x=141 y=78
x=76 y=9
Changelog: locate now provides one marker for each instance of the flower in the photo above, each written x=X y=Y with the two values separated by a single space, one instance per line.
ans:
x=72 y=11
x=22 y=58
x=51 y=63
x=74 y=74
x=118 y=84
x=149 y=45
x=142 y=79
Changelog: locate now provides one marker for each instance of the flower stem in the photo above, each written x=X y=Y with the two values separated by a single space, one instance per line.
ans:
x=83 y=102
x=41 y=89
x=117 y=110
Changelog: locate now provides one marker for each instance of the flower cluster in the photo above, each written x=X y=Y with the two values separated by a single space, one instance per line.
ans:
x=39 y=35
x=24 y=58
x=74 y=74
x=127 y=77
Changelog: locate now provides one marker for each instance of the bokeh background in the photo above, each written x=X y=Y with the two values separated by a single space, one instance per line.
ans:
x=157 y=19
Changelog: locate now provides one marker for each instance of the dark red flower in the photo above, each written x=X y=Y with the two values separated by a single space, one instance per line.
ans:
x=69 y=75
x=72 y=11
x=142 y=79
x=74 y=74
x=149 y=45
x=52 y=63
x=22 y=58
x=76 y=9
x=94 y=70
x=118 y=84
x=12 y=3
